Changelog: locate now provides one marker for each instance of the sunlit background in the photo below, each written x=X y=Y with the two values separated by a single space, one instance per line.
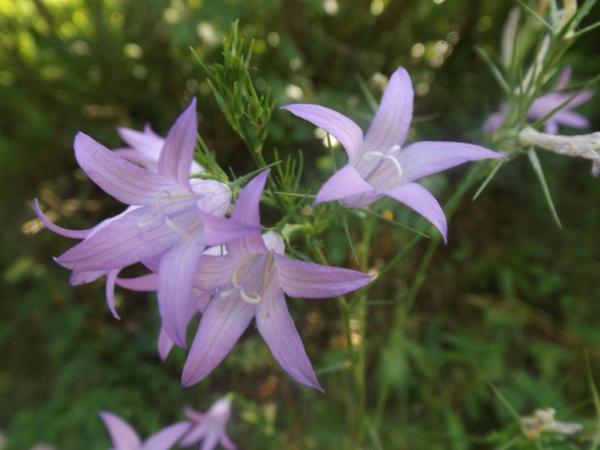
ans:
x=512 y=300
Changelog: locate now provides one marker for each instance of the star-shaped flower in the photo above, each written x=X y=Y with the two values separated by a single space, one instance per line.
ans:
x=378 y=165
x=249 y=282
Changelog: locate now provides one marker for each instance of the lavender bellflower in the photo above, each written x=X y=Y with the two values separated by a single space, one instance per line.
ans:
x=378 y=165
x=249 y=282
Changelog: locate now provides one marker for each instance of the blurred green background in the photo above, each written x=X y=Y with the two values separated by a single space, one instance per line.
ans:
x=511 y=300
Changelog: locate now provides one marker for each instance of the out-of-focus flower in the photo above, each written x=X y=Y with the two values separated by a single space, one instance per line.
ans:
x=209 y=428
x=542 y=420
x=145 y=147
x=124 y=437
x=377 y=165
x=545 y=104
x=163 y=228
x=250 y=282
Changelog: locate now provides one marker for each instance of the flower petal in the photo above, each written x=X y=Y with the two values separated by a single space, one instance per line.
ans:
x=195 y=435
x=164 y=344
x=214 y=271
x=167 y=438
x=571 y=119
x=422 y=201
x=85 y=276
x=222 y=324
x=178 y=150
x=392 y=121
x=226 y=442
x=143 y=283
x=176 y=275
x=563 y=80
x=111 y=277
x=309 y=280
x=146 y=143
x=344 y=183
x=425 y=158
x=73 y=234
x=279 y=332
x=213 y=196
x=247 y=206
x=339 y=126
x=125 y=181
x=137 y=235
x=220 y=230
x=123 y=436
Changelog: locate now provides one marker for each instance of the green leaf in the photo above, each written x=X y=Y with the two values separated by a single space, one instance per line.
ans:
x=583 y=11
x=537 y=168
x=510 y=408
x=491 y=175
x=543 y=21
x=497 y=74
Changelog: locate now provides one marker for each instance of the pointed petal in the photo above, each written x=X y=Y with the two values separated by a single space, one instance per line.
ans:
x=214 y=272
x=111 y=277
x=247 y=206
x=164 y=344
x=143 y=283
x=423 y=202
x=344 y=183
x=425 y=158
x=392 y=121
x=123 y=436
x=125 y=181
x=195 y=435
x=563 y=80
x=210 y=441
x=571 y=119
x=137 y=235
x=176 y=298
x=178 y=150
x=73 y=234
x=79 y=277
x=226 y=442
x=167 y=438
x=222 y=324
x=146 y=143
x=309 y=280
x=279 y=332
x=339 y=126
x=220 y=230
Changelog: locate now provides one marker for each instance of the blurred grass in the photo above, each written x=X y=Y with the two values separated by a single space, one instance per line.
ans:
x=511 y=300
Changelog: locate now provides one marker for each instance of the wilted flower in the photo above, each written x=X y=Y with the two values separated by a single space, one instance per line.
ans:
x=250 y=282
x=542 y=420
x=545 y=104
x=377 y=165
x=209 y=428
x=124 y=437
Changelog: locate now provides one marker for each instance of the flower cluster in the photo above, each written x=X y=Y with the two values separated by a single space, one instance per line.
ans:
x=207 y=429
x=225 y=268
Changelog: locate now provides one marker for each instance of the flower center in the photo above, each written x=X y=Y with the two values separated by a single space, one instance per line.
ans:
x=250 y=278
x=382 y=170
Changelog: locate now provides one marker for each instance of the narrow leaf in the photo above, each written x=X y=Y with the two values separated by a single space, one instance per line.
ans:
x=528 y=8
x=497 y=74
x=537 y=168
x=491 y=175
x=510 y=408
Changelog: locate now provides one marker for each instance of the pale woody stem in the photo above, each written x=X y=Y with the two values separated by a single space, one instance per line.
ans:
x=581 y=146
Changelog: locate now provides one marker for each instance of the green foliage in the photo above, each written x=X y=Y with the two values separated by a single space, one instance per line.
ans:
x=511 y=302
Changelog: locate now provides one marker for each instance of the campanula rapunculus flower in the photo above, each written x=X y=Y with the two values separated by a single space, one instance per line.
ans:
x=209 y=428
x=124 y=437
x=250 y=282
x=545 y=104
x=163 y=227
x=378 y=165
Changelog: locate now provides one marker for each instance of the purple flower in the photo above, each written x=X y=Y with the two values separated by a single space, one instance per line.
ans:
x=545 y=104
x=250 y=282
x=209 y=428
x=163 y=226
x=377 y=165
x=145 y=148
x=124 y=437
